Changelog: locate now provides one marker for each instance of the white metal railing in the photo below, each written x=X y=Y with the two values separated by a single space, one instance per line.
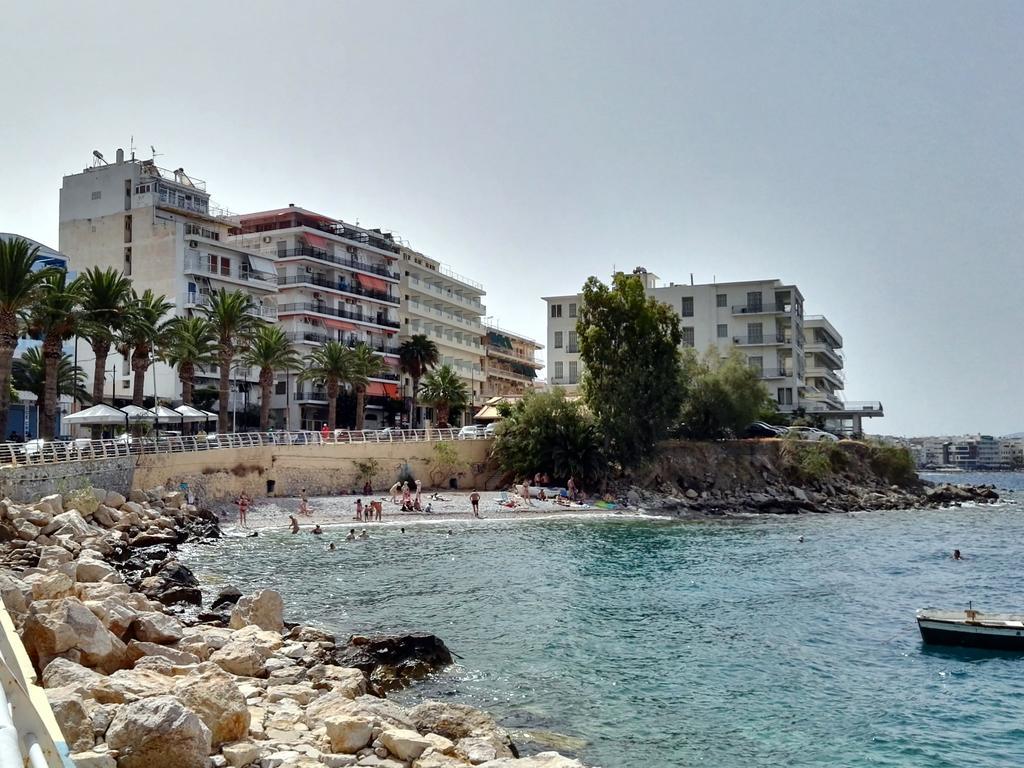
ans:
x=29 y=734
x=83 y=449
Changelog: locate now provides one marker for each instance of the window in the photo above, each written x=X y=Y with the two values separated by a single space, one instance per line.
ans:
x=281 y=388
x=556 y=310
x=558 y=370
x=785 y=395
x=558 y=339
x=572 y=310
x=573 y=345
x=723 y=330
x=688 y=336
x=282 y=248
x=127 y=262
x=128 y=228
x=757 y=363
x=687 y=310
x=754 y=301
x=755 y=333
x=573 y=371
x=97 y=195
x=225 y=266
x=721 y=300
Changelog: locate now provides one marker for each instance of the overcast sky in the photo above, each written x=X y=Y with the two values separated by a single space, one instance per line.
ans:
x=872 y=153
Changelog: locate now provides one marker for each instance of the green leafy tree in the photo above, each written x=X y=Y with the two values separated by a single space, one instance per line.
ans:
x=234 y=323
x=444 y=391
x=270 y=351
x=545 y=432
x=629 y=344
x=141 y=333
x=723 y=396
x=106 y=297
x=29 y=375
x=416 y=356
x=444 y=463
x=366 y=365
x=331 y=365
x=189 y=343
x=19 y=286
x=54 y=316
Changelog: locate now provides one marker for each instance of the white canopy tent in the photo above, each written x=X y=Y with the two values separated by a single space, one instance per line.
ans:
x=137 y=414
x=98 y=414
x=192 y=415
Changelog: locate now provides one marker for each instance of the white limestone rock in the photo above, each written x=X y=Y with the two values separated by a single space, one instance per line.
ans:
x=542 y=760
x=59 y=627
x=159 y=731
x=240 y=753
x=153 y=627
x=348 y=734
x=404 y=744
x=264 y=609
x=213 y=694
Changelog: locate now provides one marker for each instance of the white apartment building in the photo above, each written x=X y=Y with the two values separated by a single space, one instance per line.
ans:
x=823 y=365
x=763 y=318
x=446 y=307
x=160 y=229
x=336 y=281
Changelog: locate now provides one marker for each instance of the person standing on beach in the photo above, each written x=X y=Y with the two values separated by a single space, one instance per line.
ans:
x=394 y=492
x=474 y=499
x=304 y=503
x=419 y=487
x=378 y=507
x=243 y=508
x=359 y=509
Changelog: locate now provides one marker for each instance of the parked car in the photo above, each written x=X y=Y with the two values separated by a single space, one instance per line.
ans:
x=490 y=430
x=763 y=429
x=471 y=432
x=812 y=433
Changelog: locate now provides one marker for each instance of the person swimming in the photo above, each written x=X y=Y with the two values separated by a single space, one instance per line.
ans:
x=957 y=555
x=331 y=547
x=351 y=535
x=800 y=540
x=364 y=535
x=317 y=529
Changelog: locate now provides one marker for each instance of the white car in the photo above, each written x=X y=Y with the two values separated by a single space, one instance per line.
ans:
x=812 y=433
x=471 y=432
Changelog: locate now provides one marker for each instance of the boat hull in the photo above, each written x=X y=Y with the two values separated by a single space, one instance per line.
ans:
x=971 y=635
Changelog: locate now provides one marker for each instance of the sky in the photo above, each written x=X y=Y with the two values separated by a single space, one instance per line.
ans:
x=870 y=152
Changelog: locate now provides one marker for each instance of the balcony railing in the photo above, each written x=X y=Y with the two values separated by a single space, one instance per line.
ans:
x=323 y=309
x=472 y=345
x=564 y=380
x=313 y=337
x=765 y=308
x=306 y=251
x=337 y=285
x=765 y=338
x=449 y=296
x=775 y=373
x=508 y=354
x=473 y=325
x=196 y=265
x=202 y=299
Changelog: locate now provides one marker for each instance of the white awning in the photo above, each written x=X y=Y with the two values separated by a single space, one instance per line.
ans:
x=261 y=264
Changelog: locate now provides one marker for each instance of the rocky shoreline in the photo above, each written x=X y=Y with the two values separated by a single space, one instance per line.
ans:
x=140 y=676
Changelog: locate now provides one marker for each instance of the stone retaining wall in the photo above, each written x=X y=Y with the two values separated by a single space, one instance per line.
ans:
x=26 y=482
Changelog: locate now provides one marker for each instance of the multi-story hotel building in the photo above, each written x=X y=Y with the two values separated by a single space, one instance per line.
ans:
x=335 y=281
x=798 y=358
x=511 y=363
x=446 y=307
x=160 y=229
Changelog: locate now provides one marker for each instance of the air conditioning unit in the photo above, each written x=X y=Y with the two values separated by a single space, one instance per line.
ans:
x=193 y=244
x=266 y=238
x=351 y=249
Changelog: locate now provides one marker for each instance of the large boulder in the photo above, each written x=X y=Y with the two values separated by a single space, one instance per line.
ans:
x=51 y=557
x=264 y=609
x=454 y=721
x=139 y=650
x=172 y=583
x=93 y=571
x=152 y=627
x=62 y=673
x=246 y=652
x=131 y=685
x=347 y=680
x=542 y=760
x=115 y=614
x=72 y=717
x=212 y=694
x=393 y=661
x=50 y=586
x=405 y=745
x=14 y=592
x=66 y=627
x=159 y=731
x=70 y=523
x=348 y=734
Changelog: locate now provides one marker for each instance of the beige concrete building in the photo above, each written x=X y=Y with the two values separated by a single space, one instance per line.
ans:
x=511 y=363
x=160 y=228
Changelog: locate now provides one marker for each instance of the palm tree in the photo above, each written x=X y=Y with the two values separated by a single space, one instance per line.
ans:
x=54 y=315
x=233 y=323
x=28 y=374
x=270 y=351
x=416 y=356
x=332 y=365
x=444 y=391
x=106 y=295
x=141 y=333
x=18 y=288
x=366 y=365
x=188 y=343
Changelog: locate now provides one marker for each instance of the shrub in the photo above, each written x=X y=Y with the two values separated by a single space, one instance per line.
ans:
x=893 y=462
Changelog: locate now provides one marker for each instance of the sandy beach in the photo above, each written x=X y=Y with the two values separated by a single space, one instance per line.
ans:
x=452 y=506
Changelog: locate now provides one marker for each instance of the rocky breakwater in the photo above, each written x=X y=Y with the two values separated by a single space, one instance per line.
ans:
x=92 y=585
x=693 y=479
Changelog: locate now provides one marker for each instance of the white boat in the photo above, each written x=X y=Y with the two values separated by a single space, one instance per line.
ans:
x=972 y=629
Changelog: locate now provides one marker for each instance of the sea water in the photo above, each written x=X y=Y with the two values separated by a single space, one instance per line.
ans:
x=660 y=643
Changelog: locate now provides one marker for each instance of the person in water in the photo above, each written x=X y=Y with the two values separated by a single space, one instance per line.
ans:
x=957 y=555
x=363 y=535
x=331 y=547
x=295 y=523
x=317 y=529
x=351 y=535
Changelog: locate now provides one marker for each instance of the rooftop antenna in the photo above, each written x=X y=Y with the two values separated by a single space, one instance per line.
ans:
x=98 y=158
x=131 y=146
x=155 y=153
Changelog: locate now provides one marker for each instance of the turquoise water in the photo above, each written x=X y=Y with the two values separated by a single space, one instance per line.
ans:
x=676 y=644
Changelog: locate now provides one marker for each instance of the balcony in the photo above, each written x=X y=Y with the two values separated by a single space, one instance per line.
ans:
x=506 y=354
x=323 y=309
x=308 y=252
x=835 y=377
x=201 y=299
x=450 y=296
x=194 y=265
x=826 y=350
x=473 y=347
x=433 y=313
x=774 y=373
x=564 y=381
x=342 y=286
x=764 y=339
x=312 y=337
x=769 y=308
x=310 y=396
x=504 y=373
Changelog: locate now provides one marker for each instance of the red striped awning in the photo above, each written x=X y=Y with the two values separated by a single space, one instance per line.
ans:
x=339 y=325
x=315 y=240
x=380 y=389
x=373 y=283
